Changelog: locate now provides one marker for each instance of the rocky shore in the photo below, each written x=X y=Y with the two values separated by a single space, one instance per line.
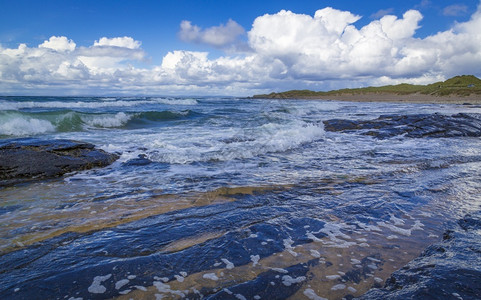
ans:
x=23 y=160
x=450 y=269
x=413 y=126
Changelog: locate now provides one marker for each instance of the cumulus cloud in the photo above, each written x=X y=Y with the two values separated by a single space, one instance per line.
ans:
x=217 y=36
x=123 y=42
x=288 y=50
x=58 y=43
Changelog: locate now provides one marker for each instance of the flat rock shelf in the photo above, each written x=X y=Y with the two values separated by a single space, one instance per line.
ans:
x=27 y=159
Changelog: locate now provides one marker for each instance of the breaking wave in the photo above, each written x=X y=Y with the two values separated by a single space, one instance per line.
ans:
x=93 y=103
x=15 y=123
x=226 y=145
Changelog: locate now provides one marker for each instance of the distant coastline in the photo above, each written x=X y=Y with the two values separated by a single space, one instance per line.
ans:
x=465 y=89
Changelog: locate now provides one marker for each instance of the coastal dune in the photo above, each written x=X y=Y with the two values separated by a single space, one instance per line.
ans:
x=457 y=90
x=411 y=98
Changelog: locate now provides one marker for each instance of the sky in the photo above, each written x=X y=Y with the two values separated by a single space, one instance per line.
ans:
x=234 y=48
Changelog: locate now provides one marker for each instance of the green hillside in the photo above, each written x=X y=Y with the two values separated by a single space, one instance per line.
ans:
x=464 y=85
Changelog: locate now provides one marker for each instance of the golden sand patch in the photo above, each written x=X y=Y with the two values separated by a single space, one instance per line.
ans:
x=372 y=259
x=91 y=216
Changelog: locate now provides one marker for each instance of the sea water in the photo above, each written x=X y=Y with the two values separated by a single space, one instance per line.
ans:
x=227 y=197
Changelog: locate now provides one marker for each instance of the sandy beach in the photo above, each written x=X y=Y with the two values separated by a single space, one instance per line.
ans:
x=410 y=98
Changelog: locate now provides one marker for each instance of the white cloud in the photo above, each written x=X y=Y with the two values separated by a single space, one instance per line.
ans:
x=455 y=10
x=58 y=43
x=288 y=50
x=217 y=36
x=328 y=45
x=122 y=42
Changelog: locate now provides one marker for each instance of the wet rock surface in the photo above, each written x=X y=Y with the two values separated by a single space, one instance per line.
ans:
x=67 y=264
x=414 y=126
x=28 y=159
x=450 y=269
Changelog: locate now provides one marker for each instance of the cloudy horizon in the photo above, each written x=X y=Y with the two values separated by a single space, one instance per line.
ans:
x=324 y=50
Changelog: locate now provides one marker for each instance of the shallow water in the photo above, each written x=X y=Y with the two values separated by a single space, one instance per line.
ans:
x=225 y=197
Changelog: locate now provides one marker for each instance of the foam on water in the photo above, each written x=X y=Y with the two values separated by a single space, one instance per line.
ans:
x=18 y=125
x=107 y=121
x=349 y=190
x=211 y=276
x=96 y=287
x=201 y=146
x=309 y=293
x=168 y=101
x=288 y=280
x=93 y=103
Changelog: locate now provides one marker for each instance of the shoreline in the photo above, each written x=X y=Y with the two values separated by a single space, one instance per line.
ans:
x=394 y=98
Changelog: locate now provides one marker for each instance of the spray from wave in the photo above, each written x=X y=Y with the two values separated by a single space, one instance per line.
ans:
x=15 y=123
x=226 y=145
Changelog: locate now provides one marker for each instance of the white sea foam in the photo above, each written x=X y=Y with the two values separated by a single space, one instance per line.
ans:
x=168 y=101
x=288 y=280
x=107 y=121
x=165 y=288
x=337 y=238
x=406 y=232
x=210 y=276
x=355 y=261
x=119 y=284
x=288 y=246
x=240 y=297
x=338 y=287
x=200 y=145
x=228 y=265
x=280 y=270
x=17 y=125
x=315 y=253
x=309 y=293
x=7 y=105
x=397 y=221
x=255 y=259
x=96 y=287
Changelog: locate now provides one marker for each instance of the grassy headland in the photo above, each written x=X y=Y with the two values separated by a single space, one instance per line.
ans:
x=456 y=89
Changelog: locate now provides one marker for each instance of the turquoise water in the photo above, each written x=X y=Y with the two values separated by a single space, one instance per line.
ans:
x=224 y=191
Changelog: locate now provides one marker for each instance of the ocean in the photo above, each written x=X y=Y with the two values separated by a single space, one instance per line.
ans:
x=223 y=197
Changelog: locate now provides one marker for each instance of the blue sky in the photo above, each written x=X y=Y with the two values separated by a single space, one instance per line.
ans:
x=218 y=46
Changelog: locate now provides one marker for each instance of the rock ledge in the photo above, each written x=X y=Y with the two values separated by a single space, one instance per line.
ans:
x=29 y=159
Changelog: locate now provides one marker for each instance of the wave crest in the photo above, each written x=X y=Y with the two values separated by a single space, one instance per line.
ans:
x=227 y=145
x=20 y=126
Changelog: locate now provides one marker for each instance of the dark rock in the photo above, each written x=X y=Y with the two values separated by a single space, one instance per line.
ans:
x=268 y=285
x=414 y=126
x=30 y=159
x=450 y=269
x=141 y=160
